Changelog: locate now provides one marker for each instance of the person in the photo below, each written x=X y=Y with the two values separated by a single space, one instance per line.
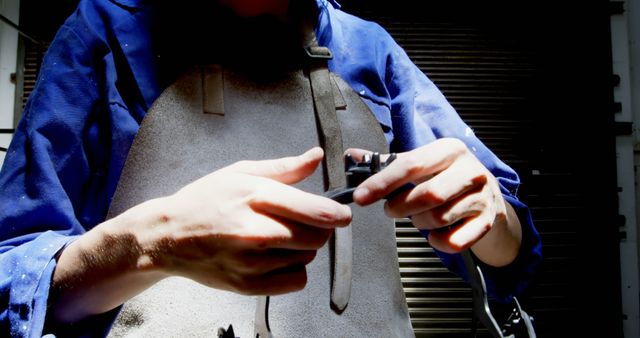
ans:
x=62 y=262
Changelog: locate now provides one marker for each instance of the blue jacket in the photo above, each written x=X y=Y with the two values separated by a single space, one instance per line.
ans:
x=101 y=74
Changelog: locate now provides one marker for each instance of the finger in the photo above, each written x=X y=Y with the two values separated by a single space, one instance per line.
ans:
x=287 y=235
x=298 y=206
x=288 y=170
x=465 y=206
x=409 y=167
x=463 y=236
x=276 y=282
x=304 y=237
x=264 y=261
x=462 y=176
x=259 y=232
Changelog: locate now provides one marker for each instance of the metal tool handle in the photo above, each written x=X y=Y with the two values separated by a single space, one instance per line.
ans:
x=481 y=309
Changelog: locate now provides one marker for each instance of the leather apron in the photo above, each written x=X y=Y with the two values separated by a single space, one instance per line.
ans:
x=178 y=143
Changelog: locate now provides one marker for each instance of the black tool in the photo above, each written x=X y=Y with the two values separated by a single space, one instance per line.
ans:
x=519 y=324
x=228 y=333
x=356 y=173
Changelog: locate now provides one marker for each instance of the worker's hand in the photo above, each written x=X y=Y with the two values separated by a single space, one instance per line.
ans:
x=455 y=196
x=241 y=228
x=244 y=229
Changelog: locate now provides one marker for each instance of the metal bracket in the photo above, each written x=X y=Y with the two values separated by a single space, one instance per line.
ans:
x=318 y=52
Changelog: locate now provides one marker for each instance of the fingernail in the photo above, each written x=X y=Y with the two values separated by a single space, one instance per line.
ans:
x=314 y=152
x=360 y=194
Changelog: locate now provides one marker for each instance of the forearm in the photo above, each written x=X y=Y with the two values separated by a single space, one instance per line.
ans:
x=104 y=267
x=501 y=244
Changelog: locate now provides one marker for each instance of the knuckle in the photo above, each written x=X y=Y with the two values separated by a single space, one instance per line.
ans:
x=413 y=166
x=424 y=221
x=455 y=146
x=479 y=204
x=440 y=219
x=258 y=197
x=255 y=199
x=241 y=285
x=431 y=198
x=376 y=185
x=479 y=179
x=250 y=264
x=486 y=227
x=485 y=224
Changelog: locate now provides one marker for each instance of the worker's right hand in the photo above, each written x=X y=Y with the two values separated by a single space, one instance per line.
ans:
x=243 y=228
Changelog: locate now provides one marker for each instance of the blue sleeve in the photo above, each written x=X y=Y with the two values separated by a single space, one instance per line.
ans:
x=56 y=176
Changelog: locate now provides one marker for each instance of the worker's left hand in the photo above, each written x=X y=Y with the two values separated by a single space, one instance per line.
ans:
x=455 y=196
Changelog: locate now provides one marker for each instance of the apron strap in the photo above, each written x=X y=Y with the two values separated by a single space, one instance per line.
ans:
x=326 y=99
x=212 y=90
x=331 y=141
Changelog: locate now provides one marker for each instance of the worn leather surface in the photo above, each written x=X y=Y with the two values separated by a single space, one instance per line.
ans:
x=177 y=144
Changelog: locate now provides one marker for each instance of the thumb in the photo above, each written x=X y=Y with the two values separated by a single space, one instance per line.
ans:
x=288 y=170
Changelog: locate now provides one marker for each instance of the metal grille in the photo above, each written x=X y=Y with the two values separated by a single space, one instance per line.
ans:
x=439 y=302
x=32 y=58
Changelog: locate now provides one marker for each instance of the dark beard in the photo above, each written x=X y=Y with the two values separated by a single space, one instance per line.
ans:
x=206 y=33
x=259 y=45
